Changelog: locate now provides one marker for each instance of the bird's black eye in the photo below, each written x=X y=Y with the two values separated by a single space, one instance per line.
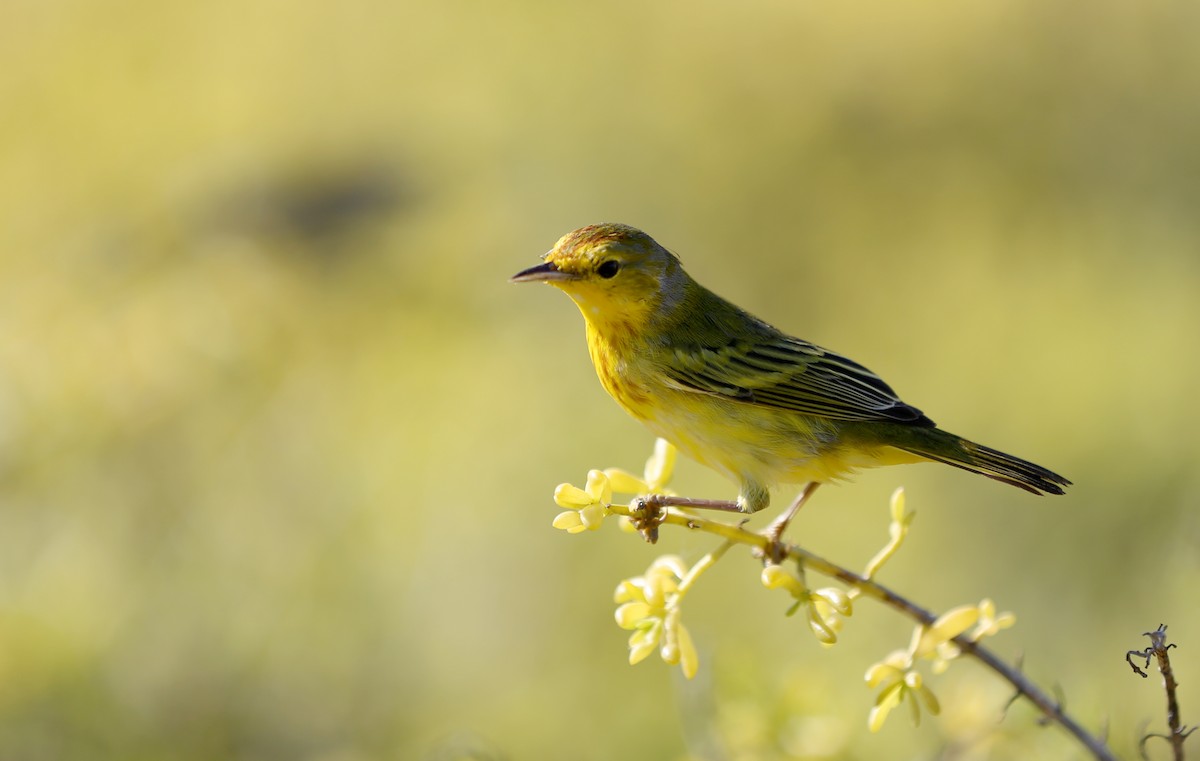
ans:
x=608 y=268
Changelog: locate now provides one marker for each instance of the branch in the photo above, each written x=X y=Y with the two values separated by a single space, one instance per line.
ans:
x=651 y=518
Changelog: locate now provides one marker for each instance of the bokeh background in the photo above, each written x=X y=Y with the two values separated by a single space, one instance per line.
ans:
x=278 y=440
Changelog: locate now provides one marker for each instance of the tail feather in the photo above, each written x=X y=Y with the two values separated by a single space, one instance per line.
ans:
x=992 y=463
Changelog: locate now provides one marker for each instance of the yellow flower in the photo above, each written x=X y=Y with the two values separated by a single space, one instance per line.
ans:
x=648 y=605
x=947 y=626
x=587 y=507
x=937 y=641
x=989 y=623
x=897 y=676
x=657 y=474
x=824 y=608
x=900 y=683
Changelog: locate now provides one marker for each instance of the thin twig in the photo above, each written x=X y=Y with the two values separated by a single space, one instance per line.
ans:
x=1050 y=708
x=1158 y=650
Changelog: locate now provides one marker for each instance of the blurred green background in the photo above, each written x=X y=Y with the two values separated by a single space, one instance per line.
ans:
x=278 y=440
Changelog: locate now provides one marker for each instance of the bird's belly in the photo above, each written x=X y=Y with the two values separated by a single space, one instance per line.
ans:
x=750 y=443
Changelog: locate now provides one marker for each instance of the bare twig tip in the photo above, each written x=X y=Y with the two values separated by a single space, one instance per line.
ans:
x=1158 y=651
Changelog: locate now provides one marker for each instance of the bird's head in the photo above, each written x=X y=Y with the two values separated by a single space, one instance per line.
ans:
x=617 y=274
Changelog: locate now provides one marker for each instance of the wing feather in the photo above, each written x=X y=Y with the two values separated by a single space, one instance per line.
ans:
x=776 y=370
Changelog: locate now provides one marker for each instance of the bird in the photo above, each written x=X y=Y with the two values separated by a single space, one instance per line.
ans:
x=736 y=394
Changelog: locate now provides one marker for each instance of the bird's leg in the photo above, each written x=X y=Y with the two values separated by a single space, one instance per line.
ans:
x=666 y=500
x=774 y=532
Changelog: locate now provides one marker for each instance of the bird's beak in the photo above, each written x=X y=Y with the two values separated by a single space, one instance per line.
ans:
x=547 y=272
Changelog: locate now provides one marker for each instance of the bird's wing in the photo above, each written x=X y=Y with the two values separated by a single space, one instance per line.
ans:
x=776 y=370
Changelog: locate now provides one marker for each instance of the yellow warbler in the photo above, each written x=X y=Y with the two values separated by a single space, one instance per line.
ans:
x=734 y=393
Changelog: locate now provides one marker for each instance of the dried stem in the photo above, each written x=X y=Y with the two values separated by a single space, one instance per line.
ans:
x=1158 y=650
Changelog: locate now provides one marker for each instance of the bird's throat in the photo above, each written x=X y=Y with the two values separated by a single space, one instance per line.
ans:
x=615 y=324
x=614 y=355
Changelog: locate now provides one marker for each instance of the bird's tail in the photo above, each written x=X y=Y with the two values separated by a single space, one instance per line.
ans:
x=961 y=453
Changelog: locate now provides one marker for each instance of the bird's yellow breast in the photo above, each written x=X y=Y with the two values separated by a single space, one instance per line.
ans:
x=743 y=441
x=620 y=368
